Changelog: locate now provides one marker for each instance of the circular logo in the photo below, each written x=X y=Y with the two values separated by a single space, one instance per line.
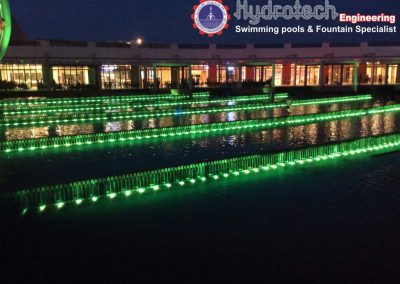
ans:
x=211 y=17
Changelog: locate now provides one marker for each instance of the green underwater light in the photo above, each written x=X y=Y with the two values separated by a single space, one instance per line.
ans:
x=161 y=179
x=86 y=100
x=263 y=97
x=97 y=117
x=182 y=131
x=127 y=105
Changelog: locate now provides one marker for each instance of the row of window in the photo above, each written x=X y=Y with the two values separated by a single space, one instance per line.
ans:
x=29 y=76
x=123 y=77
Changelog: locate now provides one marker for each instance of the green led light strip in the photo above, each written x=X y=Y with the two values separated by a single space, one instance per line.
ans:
x=23 y=102
x=295 y=103
x=50 y=102
x=181 y=131
x=108 y=99
x=134 y=115
x=123 y=106
x=55 y=110
x=138 y=183
x=183 y=103
x=128 y=102
x=201 y=94
x=96 y=117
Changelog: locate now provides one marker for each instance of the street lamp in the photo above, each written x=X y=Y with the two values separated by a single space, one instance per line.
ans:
x=139 y=41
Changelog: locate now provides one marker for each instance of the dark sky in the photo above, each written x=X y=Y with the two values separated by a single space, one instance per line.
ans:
x=167 y=20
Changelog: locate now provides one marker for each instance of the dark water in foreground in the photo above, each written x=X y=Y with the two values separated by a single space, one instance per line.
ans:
x=337 y=222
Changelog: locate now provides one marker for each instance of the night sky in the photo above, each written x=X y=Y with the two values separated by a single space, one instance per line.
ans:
x=161 y=21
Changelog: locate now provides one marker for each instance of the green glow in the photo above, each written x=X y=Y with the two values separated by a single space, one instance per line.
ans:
x=102 y=99
x=28 y=107
x=156 y=133
x=263 y=97
x=86 y=100
x=136 y=115
x=75 y=118
x=78 y=201
x=141 y=190
x=112 y=195
x=60 y=205
x=124 y=100
x=94 y=198
x=228 y=168
x=5 y=34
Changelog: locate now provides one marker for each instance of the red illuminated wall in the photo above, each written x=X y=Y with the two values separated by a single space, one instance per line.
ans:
x=362 y=73
x=212 y=73
x=250 y=73
x=286 y=74
x=326 y=74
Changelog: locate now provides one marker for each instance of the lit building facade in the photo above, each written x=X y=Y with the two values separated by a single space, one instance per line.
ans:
x=67 y=65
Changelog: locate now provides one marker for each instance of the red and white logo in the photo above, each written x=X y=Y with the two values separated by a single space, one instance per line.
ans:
x=211 y=17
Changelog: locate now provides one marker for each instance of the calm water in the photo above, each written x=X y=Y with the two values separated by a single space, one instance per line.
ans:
x=65 y=129
x=68 y=165
x=335 y=223
x=332 y=223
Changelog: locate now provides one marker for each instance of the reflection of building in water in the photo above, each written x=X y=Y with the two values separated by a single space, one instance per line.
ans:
x=157 y=122
x=166 y=122
x=332 y=130
x=118 y=126
x=297 y=135
x=231 y=116
x=199 y=119
x=389 y=121
x=345 y=127
x=365 y=128
x=278 y=135
x=232 y=140
x=27 y=133
x=278 y=112
x=297 y=110
x=377 y=124
x=265 y=136
x=312 y=129
x=74 y=129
